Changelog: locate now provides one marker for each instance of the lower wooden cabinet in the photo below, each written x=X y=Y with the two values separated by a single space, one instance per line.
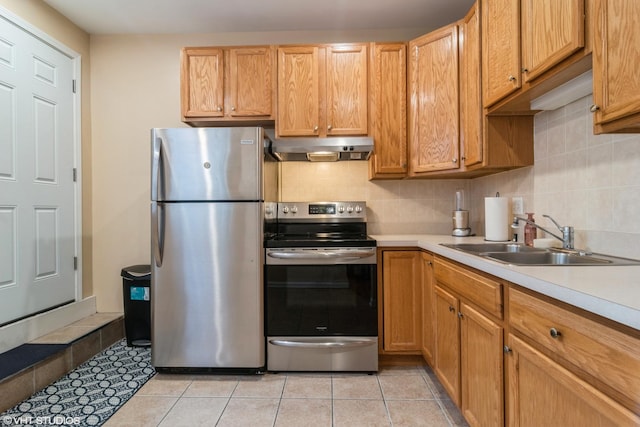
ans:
x=401 y=300
x=481 y=370
x=447 y=353
x=469 y=342
x=543 y=393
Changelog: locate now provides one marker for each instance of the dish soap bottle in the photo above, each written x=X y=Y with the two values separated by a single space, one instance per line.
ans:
x=530 y=231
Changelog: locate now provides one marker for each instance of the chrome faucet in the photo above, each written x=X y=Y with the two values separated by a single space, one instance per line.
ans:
x=567 y=231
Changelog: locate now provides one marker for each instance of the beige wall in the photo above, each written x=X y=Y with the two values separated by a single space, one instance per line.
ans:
x=41 y=16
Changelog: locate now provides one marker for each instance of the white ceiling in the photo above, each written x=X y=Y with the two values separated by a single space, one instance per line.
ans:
x=212 y=16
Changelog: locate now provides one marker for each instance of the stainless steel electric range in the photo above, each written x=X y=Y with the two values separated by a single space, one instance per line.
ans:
x=321 y=289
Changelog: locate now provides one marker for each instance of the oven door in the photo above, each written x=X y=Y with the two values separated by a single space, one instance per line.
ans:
x=321 y=292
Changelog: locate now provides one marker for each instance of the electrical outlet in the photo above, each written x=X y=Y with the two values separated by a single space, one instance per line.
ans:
x=517 y=205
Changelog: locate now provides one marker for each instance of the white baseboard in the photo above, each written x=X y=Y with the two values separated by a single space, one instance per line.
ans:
x=29 y=329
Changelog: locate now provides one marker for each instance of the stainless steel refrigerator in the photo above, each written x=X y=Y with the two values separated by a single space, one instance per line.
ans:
x=210 y=191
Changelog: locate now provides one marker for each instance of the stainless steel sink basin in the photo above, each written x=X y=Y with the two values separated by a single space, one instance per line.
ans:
x=479 y=248
x=517 y=254
x=546 y=258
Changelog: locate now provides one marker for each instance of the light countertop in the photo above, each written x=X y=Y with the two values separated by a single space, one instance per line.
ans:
x=609 y=291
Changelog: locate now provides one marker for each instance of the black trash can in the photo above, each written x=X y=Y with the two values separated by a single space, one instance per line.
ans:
x=136 y=292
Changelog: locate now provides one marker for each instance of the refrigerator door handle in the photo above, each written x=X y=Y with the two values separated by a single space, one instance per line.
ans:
x=157 y=232
x=156 y=159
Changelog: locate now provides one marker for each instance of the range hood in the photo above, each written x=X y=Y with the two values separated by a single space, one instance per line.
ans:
x=311 y=149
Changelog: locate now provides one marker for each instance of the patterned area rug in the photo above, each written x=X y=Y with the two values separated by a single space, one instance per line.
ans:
x=89 y=394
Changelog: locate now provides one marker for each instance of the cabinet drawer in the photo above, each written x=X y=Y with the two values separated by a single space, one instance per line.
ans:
x=483 y=291
x=601 y=351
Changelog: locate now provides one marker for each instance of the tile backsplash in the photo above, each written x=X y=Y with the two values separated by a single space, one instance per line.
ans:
x=591 y=182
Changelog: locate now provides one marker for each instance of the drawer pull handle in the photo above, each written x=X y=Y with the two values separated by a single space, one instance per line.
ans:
x=554 y=333
x=506 y=349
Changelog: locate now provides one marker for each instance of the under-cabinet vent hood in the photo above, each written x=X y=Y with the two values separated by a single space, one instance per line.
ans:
x=329 y=149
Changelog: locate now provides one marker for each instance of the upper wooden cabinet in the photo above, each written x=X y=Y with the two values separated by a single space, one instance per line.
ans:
x=322 y=90
x=227 y=84
x=471 y=114
x=551 y=31
x=616 y=79
x=500 y=49
x=388 y=110
x=530 y=47
x=486 y=144
x=434 y=108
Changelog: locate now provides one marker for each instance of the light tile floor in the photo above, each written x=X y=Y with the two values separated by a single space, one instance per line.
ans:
x=396 y=396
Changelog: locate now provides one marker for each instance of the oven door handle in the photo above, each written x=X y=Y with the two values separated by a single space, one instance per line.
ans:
x=346 y=255
x=325 y=344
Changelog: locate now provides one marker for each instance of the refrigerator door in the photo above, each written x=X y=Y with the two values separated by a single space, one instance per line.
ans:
x=206 y=286
x=203 y=164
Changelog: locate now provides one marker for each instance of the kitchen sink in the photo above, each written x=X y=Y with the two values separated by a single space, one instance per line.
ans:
x=518 y=254
x=546 y=258
x=478 y=248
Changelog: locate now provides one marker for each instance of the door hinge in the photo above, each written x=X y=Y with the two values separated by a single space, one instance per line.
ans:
x=75 y=263
x=75 y=175
x=73 y=85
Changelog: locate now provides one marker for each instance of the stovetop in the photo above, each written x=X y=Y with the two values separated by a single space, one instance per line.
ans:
x=320 y=224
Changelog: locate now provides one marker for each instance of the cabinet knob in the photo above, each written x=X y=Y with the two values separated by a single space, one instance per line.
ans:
x=594 y=108
x=451 y=309
x=329 y=128
x=506 y=349
x=315 y=128
x=554 y=333
x=219 y=108
x=460 y=315
x=454 y=160
x=512 y=78
x=525 y=70
x=233 y=108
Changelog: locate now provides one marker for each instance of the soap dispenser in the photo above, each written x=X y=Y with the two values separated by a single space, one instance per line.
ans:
x=530 y=231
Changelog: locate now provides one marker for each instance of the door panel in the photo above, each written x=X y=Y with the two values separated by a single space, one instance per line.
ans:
x=206 y=287
x=207 y=164
x=37 y=192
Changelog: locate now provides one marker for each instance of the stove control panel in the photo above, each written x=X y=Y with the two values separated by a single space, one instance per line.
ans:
x=356 y=210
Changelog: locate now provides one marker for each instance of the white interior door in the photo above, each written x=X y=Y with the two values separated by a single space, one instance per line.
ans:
x=37 y=189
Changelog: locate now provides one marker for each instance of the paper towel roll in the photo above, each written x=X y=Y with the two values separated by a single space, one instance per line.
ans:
x=496 y=219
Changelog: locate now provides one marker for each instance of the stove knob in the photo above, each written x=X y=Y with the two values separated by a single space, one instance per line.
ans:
x=285 y=210
x=294 y=209
x=358 y=208
x=350 y=209
x=340 y=209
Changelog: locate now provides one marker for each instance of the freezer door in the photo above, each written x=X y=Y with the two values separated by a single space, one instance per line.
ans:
x=206 y=287
x=189 y=164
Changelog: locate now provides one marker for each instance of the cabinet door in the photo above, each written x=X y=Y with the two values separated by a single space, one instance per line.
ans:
x=202 y=81
x=347 y=82
x=471 y=114
x=616 y=80
x=388 y=110
x=500 y=49
x=481 y=368
x=428 y=308
x=251 y=82
x=434 y=108
x=401 y=300
x=551 y=31
x=298 y=91
x=543 y=393
x=447 y=353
